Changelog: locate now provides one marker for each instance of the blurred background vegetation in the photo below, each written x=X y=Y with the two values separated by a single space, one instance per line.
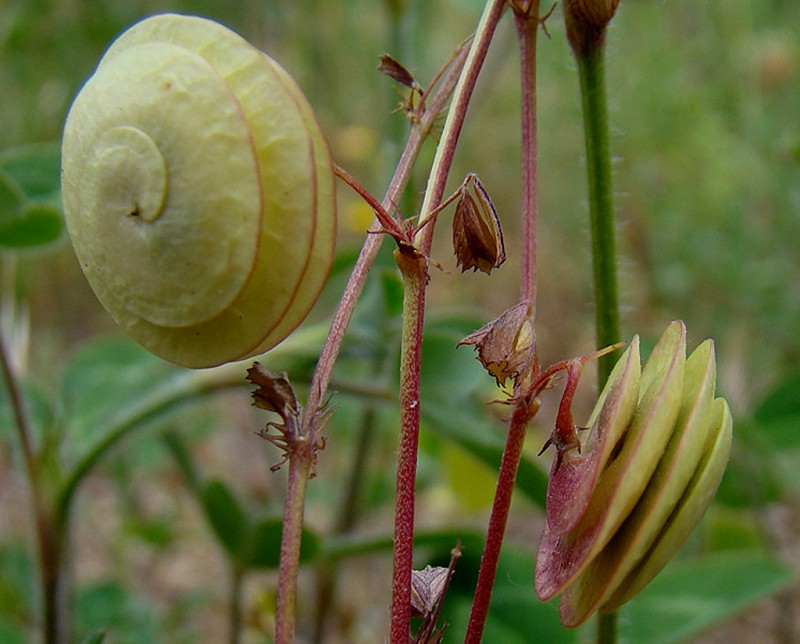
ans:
x=706 y=134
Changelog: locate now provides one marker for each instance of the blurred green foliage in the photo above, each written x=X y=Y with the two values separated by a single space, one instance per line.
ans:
x=704 y=100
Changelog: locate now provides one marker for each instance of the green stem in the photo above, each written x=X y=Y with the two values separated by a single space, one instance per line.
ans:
x=606 y=628
x=591 y=71
x=235 y=606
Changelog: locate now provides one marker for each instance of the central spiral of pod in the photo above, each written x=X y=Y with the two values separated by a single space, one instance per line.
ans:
x=198 y=192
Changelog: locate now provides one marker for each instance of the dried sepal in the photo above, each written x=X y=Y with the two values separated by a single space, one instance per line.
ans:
x=506 y=346
x=275 y=393
x=586 y=22
x=428 y=590
x=640 y=485
x=575 y=474
x=397 y=72
x=477 y=235
x=427 y=586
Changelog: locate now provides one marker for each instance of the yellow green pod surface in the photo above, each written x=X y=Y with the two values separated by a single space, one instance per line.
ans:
x=198 y=192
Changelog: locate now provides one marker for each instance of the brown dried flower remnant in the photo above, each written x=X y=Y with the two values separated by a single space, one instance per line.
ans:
x=427 y=587
x=507 y=346
x=477 y=236
x=274 y=393
x=397 y=72
x=586 y=22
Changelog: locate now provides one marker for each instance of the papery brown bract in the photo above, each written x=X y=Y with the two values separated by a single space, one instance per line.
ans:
x=477 y=235
x=506 y=346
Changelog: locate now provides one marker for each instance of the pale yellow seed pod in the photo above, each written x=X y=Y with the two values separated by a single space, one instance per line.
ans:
x=642 y=482
x=198 y=192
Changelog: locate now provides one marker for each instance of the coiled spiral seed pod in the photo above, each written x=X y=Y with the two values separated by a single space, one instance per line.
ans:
x=198 y=191
x=621 y=507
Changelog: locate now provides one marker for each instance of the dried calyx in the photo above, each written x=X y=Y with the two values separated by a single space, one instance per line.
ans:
x=586 y=22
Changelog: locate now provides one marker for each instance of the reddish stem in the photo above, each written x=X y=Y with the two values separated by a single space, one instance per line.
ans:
x=455 y=121
x=358 y=278
x=527 y=22
x=291 y=540
x=497 y=521
x=414 y=268
x=301 y=461
x=527 y=29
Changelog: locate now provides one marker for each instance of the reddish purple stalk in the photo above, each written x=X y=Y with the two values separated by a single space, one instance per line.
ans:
x=527 y=22
x=415 y=277
x=413 y=265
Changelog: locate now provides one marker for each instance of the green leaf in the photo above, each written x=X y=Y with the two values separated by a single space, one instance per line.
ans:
x=12 y=634
x=98 y=637
x=18 y=590
x=778 y=415
x=484 y=440
x=100 y=380
x=226 y=515
x=36 y=168
x=37 y=225
x=109 y=605
x=690 y=596
x=11 y=197
x=515 y=614
x=263 y=544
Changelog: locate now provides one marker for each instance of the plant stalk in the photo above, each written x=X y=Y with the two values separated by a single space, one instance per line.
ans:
x=358 y=278
x=414 y=268
x=527 y=24
x=49 y=541
x=497 y=523
x=443 y=158
x=235 y=605
x=300 y=462
x=591 y=71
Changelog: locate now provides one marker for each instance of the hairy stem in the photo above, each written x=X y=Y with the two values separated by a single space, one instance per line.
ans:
x=497 y=523
x=527 y=28
x=295 y=499
x=414 y=268
x=527 y=23
x=358 y=278
x=300 y=462
x=445 y=151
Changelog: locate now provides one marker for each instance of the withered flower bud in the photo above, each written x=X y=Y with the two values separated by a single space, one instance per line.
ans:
x=477 y=236
x=506 y=346
x=586 y=22
x=397 y=71
x=427 y=589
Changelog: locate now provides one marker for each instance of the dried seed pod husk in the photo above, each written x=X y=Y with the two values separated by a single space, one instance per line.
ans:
x=477 y=234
